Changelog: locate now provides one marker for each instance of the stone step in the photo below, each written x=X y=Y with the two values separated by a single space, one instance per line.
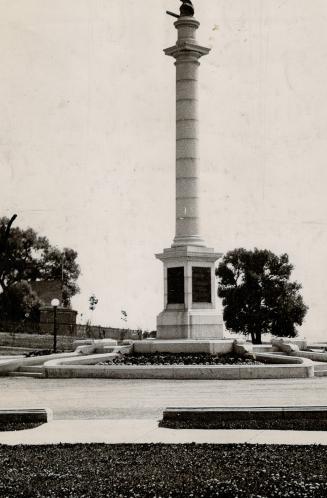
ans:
x=32 y=368
x=26 y=374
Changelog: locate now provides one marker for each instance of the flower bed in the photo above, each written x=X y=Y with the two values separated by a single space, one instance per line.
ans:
x=179 y=359
x=156 y=470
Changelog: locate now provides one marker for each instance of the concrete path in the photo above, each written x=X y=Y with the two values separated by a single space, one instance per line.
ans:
x=146 y=399
x=147 y=431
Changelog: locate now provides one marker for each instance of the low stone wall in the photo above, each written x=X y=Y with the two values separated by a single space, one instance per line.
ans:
x=16 y=331
x=99 y=332
x=35 y=341
x=261 y=348
x=281 y=358
x=182 y=372
x=16 y=362
x=311 y=355
x=40 y=360
x=92 y=359
x=9 y=365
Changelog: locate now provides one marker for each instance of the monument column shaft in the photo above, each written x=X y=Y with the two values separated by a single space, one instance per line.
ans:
x=187 y=54
x=187 y=157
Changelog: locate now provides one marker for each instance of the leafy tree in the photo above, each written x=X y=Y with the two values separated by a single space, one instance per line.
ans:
x=123 y=315
x=26 y=257
x=93 y=301
x=19 y=302
x=257 y=296
x=60 y=265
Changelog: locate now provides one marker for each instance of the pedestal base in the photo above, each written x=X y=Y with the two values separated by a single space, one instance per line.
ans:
x=190 y=324
x=175 y=346
x=189 y=295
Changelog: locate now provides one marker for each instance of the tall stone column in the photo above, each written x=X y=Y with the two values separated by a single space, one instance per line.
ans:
x=189 y=266
x=187 y=54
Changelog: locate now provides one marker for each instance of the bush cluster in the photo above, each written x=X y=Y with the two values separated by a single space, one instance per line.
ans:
x=166 y=471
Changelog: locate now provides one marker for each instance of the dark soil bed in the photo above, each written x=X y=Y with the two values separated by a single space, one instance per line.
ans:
x=180 y=359
x=144 y=471
x=19 y=426
x=281 y=425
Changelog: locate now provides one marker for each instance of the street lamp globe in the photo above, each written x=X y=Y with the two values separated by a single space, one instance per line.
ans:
x=55 y=303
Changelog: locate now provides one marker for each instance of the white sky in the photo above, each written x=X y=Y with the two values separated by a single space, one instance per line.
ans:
x=87 y=138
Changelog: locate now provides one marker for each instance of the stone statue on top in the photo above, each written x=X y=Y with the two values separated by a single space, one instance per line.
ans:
x=186 y=9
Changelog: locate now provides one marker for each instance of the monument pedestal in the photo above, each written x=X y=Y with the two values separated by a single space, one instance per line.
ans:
x=189 y=294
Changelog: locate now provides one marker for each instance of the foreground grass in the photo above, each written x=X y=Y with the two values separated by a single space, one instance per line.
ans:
x=148 y=470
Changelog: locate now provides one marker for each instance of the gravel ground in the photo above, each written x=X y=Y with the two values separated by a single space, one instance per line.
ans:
x=145 y=471
x=180 y=359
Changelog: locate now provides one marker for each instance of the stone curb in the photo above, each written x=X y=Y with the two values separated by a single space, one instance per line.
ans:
x=26 y=415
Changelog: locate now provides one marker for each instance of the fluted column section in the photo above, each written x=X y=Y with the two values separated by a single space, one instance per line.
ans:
x=187 y=54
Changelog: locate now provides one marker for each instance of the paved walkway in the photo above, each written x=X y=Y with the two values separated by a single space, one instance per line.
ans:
x=127 y=411
x=146 y=399
x=147 y=431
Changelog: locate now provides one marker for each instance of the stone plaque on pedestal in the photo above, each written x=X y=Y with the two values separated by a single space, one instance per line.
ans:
x=175 y=282
x=201 y=284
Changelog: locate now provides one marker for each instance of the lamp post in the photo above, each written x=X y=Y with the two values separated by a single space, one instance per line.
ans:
x=55 y=303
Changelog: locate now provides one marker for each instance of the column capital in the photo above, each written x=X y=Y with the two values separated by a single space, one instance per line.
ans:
x=189 y=21
x=187 y=47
